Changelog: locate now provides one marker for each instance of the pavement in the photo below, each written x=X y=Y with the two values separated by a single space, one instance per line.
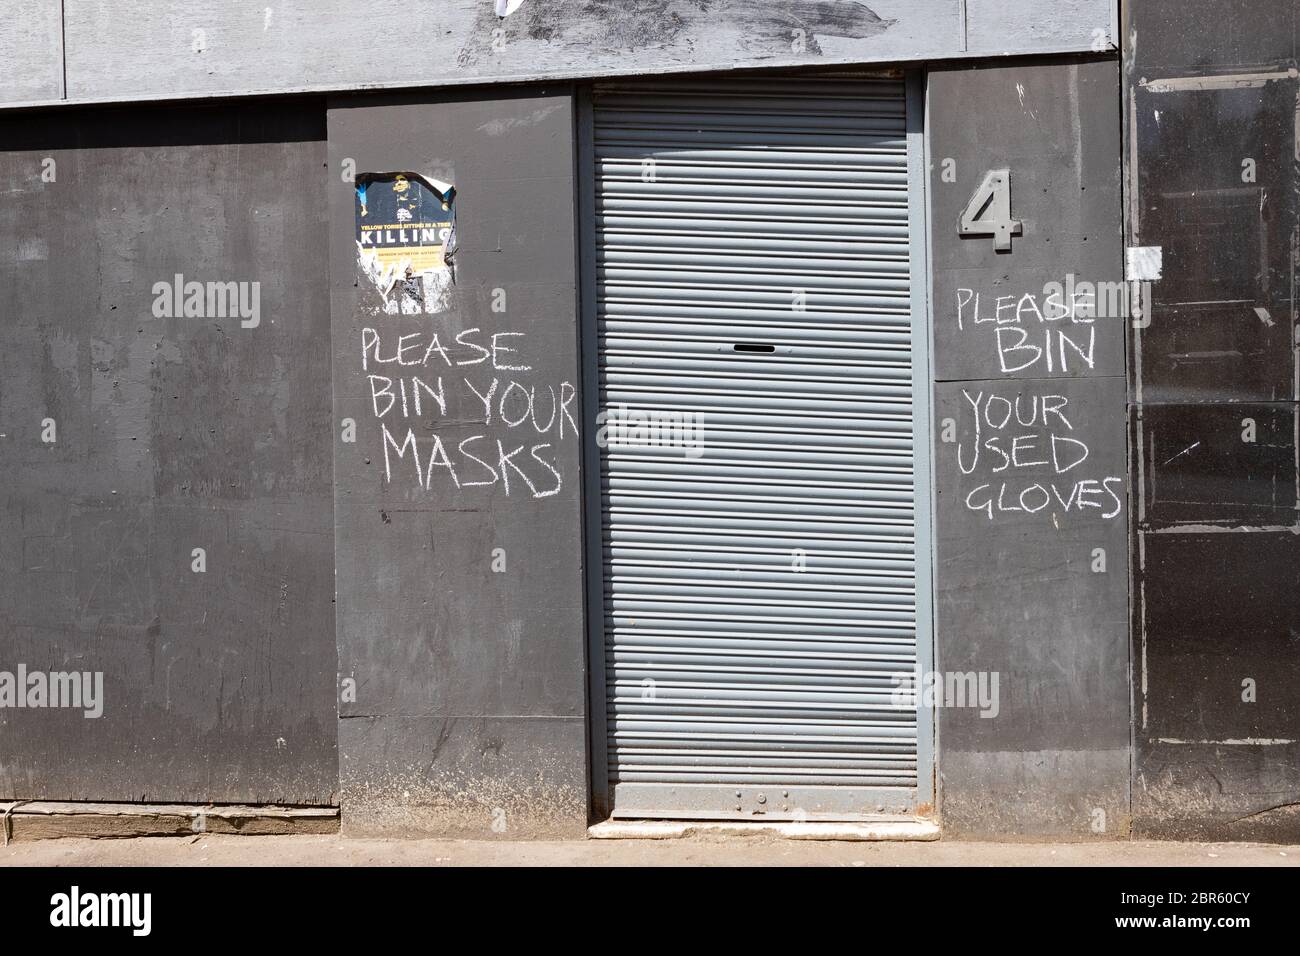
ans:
x=337 y=850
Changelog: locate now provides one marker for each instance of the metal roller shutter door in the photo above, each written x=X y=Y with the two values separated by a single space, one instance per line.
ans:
x=774 y=214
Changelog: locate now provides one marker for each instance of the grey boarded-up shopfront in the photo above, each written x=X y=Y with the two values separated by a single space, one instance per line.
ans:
x=527 y=642
x=752 y=253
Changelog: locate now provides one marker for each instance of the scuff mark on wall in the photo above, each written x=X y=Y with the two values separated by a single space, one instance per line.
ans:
x=1235 y=81
x=502 y=125
x=636 y=24
x=406 y=239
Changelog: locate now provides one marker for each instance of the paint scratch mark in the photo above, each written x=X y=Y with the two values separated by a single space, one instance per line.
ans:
x=1243 y=742
x=1181 y=453
x=1236 y=81
x=1020 y=91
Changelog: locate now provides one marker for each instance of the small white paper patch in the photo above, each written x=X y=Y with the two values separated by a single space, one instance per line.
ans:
x=1143 y=263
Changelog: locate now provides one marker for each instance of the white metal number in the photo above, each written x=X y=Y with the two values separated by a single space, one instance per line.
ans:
x=989 y=211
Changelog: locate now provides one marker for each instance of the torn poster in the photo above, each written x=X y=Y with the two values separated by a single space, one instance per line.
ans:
x=406 y=239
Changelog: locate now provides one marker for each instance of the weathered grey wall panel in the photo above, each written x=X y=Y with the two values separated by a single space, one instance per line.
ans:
x=1217 y=757
x=1212 y=168
x=998 y=27
x=1040 y=122
x=1214 y=184
x=460 y=605
x=169 y=434
x=31 y=51
x=245 y=46
x=1031 y=486
x=510 y=777
x=1180 y=37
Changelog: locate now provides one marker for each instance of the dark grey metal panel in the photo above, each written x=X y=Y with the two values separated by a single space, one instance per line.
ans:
x=1211 y=190
x=296 y=44
x=1032 y=487
x=1054 y=126
x=1212 y=146
x=459 y=604
x=1243 y=35
x=171 y=434
x=31 y=50
x=1035 y=794
x=1019 y=589
x=475 y=777
x=1197 y=470
x=1217 y=740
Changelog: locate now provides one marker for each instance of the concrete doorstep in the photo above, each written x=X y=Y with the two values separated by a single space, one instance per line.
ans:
x=882 y=830
x=44 y=820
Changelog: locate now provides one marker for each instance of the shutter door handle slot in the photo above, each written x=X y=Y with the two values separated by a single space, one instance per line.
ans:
x=753 y=347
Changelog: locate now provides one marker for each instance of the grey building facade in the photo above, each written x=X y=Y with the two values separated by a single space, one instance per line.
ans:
x=493 y=422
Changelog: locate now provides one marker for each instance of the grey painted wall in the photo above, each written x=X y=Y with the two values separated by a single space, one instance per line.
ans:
x=31 y=51
x=125 y=49
x=1021 y=516
x=169 y=434
x=461 y=604
x=459 y=626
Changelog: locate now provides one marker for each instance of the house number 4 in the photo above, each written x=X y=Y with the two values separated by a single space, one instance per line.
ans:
x=989 y=211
